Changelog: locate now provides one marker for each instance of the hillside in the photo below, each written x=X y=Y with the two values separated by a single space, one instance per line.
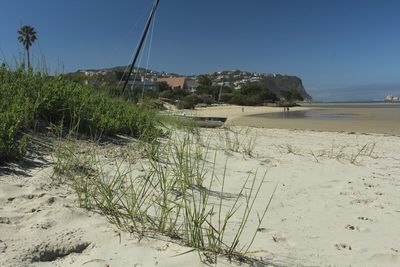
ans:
x=234 y=79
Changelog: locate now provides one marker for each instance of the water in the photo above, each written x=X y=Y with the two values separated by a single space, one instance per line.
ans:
x=309 y=114
x=367 y=117
x=341 y=111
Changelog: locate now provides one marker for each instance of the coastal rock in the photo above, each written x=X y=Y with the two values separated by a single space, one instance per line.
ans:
x=278 y=83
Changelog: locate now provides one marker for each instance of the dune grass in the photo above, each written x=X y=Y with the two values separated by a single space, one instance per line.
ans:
x=242 y=140
x=353 y=154
x=175 y=196
x=30 y=101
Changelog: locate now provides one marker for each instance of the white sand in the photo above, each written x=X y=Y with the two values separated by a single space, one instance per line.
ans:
x=327 y=211
x=41 y=225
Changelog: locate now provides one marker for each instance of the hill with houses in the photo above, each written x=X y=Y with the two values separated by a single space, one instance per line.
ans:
x=235 y=79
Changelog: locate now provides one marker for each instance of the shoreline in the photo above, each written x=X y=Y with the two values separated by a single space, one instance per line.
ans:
x=364 y=121
x=233 y=112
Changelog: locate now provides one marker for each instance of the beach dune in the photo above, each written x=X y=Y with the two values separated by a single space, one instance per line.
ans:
x=336 y=204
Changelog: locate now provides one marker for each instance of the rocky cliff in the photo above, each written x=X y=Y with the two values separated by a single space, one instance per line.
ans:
x=278 y=83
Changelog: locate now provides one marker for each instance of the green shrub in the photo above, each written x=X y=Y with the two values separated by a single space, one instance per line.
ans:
x=188 y=102
x=226 y=97
x=206 y=99
x=12 y=146
x=27 y=98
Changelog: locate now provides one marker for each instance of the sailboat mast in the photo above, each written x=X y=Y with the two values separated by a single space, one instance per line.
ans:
x=142 y=39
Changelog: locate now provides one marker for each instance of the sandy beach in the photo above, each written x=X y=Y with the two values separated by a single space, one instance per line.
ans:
x=199 y=133
x=336 y=203
x=235 y=113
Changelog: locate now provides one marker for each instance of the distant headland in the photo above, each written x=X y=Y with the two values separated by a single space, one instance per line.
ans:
x=235 y=79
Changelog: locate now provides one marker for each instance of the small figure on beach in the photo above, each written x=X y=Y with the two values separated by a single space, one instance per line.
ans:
x=242 y=108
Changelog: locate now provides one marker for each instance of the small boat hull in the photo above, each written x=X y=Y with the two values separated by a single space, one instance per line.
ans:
x=209 y=122
x=204 y=121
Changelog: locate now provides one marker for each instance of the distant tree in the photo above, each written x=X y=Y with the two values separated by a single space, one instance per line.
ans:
x=188 y=102
x=206 y=99
x=173 y=94
x=251 y=89
x=204 y=80
x=226 y=97
x=226 y=90
x=237 y=99
x=297 y=96
x=27 y=36
x=204 y=90
x=292 y=95
x=163 y=86
x=258 y=93
x=167 y=94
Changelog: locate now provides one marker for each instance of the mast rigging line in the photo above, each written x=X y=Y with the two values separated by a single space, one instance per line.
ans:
x=148 y=55
x=147 y=44
x=149 y=20
x=113 y=52
x=139 y=64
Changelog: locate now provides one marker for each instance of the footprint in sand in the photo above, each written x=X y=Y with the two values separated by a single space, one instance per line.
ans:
x=3 y=247
x=342 y=246
x=368 y=185
x=358 y=229
x=32 y=196
x=362 y=201
x=5 y=220
x=351 y=227
x=155 y=260
x=362 y=218
x=278 y=238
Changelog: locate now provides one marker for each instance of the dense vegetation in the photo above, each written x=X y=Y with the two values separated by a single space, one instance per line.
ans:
x=29 y=100
x=284 y=90
x=250 y=94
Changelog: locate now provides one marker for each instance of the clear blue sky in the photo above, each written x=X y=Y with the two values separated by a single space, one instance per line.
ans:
x=331 y=45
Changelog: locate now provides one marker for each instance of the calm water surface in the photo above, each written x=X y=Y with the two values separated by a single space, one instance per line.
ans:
x=373 y=117
x=341 y=111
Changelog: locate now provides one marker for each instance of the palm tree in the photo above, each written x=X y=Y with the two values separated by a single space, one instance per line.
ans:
x=27 y=36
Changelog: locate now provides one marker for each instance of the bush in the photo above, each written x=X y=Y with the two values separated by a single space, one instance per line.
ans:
x=236 y=99
x=206 y=99
x=292 y=95
x=226 y=97
x=154 y=104
x=11 y=146
x=173 y=94
x=167 y=94
x=188 y=102
x=27 y=98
